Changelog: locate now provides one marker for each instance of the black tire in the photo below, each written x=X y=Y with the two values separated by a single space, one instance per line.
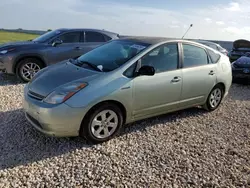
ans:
x=85 y=130
x=24 y=62
x=208 y=106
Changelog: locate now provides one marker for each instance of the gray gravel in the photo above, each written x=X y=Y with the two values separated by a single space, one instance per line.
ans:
x=191 y=148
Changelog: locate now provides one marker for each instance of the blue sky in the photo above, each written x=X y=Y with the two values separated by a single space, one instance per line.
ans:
x=212 y=19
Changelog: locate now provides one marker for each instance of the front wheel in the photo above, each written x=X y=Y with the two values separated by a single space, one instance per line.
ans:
x=27 y=68
x=102 y=123
x=214 y=98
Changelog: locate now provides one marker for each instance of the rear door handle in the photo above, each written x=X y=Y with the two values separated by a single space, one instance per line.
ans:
x=176 y=79
x=211 y=72
x=78 y=48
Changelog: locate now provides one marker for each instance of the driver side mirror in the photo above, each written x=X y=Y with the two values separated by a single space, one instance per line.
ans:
x=57 y=42
x=146 y=70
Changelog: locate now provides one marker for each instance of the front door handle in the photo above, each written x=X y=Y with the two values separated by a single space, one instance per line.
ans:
x=211 y=72
x=176 y=79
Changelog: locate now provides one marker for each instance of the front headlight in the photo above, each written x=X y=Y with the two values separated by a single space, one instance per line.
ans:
x=6 y=51
x=64 y=93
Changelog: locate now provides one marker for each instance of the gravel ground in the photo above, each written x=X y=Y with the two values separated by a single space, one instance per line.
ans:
x=191 y=148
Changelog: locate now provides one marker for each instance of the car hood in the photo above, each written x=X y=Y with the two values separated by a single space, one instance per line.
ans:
x=58 y=75
x=14 y=44
x=242 y=62
x=241 y=44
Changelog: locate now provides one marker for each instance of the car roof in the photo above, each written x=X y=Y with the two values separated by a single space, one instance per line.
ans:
x=86 y=29
x=206 y=42
x=152 y=40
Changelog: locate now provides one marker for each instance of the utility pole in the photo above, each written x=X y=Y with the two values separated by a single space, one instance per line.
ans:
x=191 y=25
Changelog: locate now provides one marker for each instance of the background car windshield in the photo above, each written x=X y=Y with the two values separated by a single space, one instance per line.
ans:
x=113 y=54
x=47 y=36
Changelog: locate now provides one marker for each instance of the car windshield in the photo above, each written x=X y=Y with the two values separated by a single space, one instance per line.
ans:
x=47 y=36
x=112 y=55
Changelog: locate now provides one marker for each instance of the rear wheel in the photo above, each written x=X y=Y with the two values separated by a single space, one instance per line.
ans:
x=214 y=98
x=27 y=68
x=102 y=123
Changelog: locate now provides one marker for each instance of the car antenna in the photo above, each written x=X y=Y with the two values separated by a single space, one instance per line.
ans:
x=191 y=25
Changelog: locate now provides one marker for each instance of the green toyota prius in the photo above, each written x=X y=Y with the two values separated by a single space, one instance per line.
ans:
x=123 y=81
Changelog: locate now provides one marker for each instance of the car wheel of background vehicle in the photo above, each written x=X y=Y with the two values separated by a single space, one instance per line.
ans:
x=102 y=123
x=214 y=98
x=27 y=68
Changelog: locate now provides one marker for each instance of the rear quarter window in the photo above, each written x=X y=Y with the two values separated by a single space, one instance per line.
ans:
x=214 y=56
x=107 y=38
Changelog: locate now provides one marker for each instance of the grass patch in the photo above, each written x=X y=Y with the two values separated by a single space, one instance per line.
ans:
x=15 y=36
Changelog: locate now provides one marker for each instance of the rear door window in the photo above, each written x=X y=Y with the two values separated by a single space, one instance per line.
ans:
x=194 y=56
x=71 y=37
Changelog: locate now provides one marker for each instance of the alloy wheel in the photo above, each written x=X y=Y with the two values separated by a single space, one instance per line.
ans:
x=215 y=98
x=29 y=70
x=104 y=124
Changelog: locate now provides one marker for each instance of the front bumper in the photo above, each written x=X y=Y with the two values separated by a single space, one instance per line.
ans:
x=239 y=74
x=6 y=64
x=54 y=120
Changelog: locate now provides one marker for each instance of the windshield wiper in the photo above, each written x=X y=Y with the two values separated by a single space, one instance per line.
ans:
x=80 y=63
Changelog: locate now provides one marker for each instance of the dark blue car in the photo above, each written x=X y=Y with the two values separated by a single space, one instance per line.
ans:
x=240 y=48
x=241 y=68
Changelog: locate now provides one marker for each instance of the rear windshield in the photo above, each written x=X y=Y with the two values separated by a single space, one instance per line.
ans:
x=221 y=48
x=210 y=45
